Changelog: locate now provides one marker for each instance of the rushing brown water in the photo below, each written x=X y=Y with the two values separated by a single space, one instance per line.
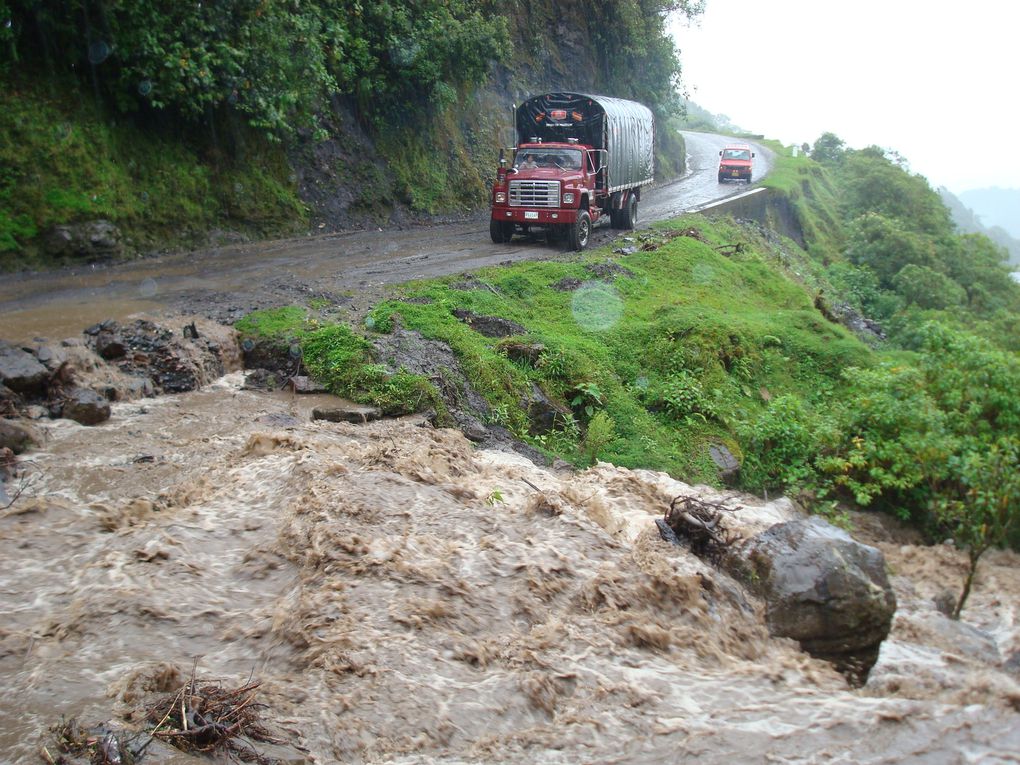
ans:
x=407 y=599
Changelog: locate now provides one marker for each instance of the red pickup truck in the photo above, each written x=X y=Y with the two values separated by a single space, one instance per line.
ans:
x=735 y=163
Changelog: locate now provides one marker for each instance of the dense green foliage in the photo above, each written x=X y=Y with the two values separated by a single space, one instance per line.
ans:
x=274 y=61
x=929 y=432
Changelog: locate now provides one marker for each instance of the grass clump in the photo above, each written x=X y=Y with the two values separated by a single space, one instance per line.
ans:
x=274 y=323
x=338 y=358
x=652 y=357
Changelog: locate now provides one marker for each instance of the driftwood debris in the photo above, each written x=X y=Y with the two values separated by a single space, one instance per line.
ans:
x=200 y=718
x=209 y=718
x=695 y=522
x=100 y=745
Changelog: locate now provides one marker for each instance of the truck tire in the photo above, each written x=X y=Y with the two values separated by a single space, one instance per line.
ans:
x=501 y=232
x=580 y=231
x=615 y=215
x=628 y=215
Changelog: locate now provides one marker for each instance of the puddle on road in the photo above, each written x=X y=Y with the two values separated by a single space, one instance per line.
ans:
x=25 y=326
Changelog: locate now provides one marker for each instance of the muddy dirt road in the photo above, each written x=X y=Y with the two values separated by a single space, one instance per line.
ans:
x=349 y=269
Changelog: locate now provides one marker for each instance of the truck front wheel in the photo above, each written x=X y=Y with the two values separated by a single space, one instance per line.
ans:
x=501 y=231
x=580 y=231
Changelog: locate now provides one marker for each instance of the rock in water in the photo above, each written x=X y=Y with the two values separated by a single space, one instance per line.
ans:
x=21 y=371
x=86 y=406
x=17 y=436
x=823 y=589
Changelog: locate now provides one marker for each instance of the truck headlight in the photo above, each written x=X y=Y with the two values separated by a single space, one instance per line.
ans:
x=500 y=197
x=568 y=198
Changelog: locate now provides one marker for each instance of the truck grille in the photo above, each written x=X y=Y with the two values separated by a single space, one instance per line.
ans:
x=535 y=193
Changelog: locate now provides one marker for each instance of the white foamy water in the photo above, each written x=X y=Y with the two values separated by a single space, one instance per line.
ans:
x=405 y=598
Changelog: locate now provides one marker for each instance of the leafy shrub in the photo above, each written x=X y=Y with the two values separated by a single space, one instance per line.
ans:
x=683 y=396
x=927 y=288
x=587 y=396
x=781 y=444
x=601 y=432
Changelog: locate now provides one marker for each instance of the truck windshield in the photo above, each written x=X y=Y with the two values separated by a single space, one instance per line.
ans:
x=564 y=159
x=737 y=154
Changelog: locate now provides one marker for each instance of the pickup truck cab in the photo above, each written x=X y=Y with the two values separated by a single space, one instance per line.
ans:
x=735 y=163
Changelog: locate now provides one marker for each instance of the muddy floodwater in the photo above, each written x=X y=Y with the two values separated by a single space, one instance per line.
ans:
x=406 y=598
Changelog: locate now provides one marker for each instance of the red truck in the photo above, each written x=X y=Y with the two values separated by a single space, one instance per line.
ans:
x=578 y=159
x=735 y=163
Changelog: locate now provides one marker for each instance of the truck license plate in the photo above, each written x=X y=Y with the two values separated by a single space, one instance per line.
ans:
x=530 y=215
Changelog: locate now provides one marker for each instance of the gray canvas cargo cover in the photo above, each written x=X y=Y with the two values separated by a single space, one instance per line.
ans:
x=625 y=129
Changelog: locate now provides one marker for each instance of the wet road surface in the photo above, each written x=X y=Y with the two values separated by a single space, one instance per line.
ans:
x=227 y=282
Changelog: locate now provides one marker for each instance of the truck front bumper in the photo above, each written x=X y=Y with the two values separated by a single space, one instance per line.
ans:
x=534 y=217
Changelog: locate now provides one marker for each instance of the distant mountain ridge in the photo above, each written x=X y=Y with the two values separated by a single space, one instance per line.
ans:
x=996 y=207
x=992 y=212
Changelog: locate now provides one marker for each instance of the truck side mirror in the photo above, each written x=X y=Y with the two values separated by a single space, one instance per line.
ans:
x=752 y=154
x=720 y=152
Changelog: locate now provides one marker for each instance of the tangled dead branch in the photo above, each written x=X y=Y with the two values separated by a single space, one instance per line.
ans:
x=101 y=745
x=696 y=522
x=209 y=718
x=199 y=718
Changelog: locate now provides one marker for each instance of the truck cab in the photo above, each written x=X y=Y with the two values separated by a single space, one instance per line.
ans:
x=735 y=163
x=579 y=159
x=547 y=186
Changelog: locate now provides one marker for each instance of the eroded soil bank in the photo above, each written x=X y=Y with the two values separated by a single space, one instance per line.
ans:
x=407 y=598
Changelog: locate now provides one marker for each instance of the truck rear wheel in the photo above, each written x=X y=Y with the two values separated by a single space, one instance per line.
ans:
x=628 y=215
x=580 y=231
x=501 y=231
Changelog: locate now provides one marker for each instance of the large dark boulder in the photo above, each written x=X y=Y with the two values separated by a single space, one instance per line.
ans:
x=823 y=589
x=21 y=371
x=85 y=406
x=176 y=359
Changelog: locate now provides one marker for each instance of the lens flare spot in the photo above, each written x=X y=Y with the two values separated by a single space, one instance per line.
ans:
x=596 y=307
x=99 y=51
x=702 y=273
x=147 y=288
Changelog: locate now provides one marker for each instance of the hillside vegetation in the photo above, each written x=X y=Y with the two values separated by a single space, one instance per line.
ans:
x=256 y=118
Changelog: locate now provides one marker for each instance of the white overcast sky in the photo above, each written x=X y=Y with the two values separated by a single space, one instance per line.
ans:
x=937 y=81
